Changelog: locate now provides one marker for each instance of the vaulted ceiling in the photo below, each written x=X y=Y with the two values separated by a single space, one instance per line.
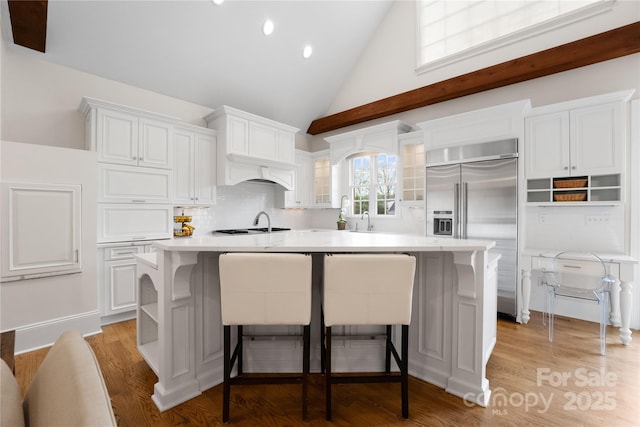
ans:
x=216 y=55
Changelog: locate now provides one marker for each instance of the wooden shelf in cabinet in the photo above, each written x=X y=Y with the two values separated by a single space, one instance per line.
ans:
x=150 y=352
x=151 y=310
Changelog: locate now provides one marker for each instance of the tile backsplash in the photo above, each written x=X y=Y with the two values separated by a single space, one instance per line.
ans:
x=238 y=205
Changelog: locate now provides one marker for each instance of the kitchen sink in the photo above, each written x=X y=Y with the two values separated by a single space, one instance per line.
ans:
x=251 y=230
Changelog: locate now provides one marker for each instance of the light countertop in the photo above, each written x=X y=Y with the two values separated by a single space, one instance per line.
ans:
x=321 y=241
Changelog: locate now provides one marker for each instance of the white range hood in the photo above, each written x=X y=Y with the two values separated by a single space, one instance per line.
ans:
x=252 y=147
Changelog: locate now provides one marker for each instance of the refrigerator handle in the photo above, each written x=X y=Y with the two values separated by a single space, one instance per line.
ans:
x=456 y=211
x=465 y=193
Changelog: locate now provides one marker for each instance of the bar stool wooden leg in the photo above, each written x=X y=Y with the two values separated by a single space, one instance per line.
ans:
x=240 y=349
x=387 y=356
x=305 y=368
x=322 y=343
x=226 y=388
x=327 y=373
x=404 y=368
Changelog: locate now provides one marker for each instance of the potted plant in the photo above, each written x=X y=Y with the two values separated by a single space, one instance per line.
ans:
x=342 y=223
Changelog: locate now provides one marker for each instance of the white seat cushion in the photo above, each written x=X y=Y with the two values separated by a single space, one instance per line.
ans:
x=368 y=289
x=10 y=398
x=265 y=289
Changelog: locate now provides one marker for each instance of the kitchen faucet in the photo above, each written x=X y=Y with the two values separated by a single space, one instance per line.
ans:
x=255 y=221
x=369 y=225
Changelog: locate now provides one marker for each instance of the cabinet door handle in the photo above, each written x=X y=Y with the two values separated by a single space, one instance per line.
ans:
x=138 y=237
x=566 y=168
x=573 y=167
x=138 y=201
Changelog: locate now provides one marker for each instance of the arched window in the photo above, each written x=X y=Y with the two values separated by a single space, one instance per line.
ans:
x=373 y=184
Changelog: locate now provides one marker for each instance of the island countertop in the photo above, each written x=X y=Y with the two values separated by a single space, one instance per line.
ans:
x=321 y=241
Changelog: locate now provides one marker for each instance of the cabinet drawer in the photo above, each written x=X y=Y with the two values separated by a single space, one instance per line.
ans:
x=122 y=252
x=133 y=184
x=125 y=222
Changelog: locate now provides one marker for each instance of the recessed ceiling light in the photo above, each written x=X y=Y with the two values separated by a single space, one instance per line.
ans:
x=267 y=27
x=307 y=51
x=217 y=2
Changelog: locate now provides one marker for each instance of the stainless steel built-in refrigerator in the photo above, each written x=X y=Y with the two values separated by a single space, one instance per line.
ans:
x=472 y=193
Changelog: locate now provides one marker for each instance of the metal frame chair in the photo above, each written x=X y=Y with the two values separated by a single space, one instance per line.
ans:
x=264 y=289
x=581 y=276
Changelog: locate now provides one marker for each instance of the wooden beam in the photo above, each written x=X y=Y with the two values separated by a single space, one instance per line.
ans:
x=29 y=23
x=611 y=44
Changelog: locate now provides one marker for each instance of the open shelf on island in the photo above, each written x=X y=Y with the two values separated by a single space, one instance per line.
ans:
x=148 y=344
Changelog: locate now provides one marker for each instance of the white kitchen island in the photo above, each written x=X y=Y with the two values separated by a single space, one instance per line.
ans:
x=452 y=331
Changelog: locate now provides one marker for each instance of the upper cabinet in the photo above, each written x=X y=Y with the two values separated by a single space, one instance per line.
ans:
x=312 y=181
x=127 y=137
x=322 y=183
x=194 y=166
x=253 y=147
x=582 y=137
x=412 y=159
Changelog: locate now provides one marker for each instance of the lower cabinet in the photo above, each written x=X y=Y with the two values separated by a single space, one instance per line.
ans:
x=117 y=279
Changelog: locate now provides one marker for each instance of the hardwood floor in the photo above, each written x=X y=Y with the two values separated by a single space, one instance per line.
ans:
x=534 y=383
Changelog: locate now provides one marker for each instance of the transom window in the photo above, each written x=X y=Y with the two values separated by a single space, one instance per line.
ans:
x=373 y=182
x=451 y=30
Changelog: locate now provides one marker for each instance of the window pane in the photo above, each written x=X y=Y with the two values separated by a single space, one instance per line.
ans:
x=448 y=27
x=373 y=181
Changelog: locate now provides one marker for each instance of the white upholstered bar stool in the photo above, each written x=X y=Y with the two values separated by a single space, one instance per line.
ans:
x=264 y=289
x=368 y=289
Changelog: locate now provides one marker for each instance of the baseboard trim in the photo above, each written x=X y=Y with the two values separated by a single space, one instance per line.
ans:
x=44 y=334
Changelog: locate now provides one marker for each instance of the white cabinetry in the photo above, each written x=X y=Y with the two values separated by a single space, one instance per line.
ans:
x=126 y=222
x=194 y=166
x=321 y=172
x=413 y=170
x=118 y=272
x=252 y=147
x=313 y=181
x=137 y=153
x=124 y=136
x=131 y=184
x=582 y=137
x=300 y=196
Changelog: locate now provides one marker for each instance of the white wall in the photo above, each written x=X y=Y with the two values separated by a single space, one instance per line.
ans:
x=40 y=309
x=40 y=101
